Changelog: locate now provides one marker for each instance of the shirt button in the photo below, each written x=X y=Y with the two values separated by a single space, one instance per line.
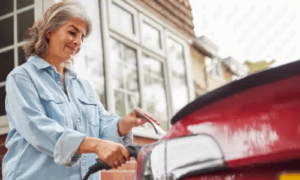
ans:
x=83 y=168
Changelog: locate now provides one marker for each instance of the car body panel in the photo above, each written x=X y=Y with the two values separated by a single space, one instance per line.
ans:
x=255 y=126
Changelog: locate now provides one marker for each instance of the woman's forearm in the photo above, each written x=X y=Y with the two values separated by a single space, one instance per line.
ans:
x=89 y=145
x=114 y=154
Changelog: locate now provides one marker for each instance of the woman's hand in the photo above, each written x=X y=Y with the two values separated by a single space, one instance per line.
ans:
x=113 y=154
x=128 y=122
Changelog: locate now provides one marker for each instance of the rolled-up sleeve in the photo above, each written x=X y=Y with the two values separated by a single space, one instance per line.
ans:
x=27 y=115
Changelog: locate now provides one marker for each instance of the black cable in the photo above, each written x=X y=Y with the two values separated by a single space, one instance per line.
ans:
x=100 y=165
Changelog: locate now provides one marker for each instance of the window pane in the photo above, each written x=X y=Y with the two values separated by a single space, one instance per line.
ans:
x=180 y=93
x=133 y=102
x=123 y=64
x=130 y=56
x=23 y=3
x=117 y=75
x=115 y=48
x=6 y=64
x=152 y=66
x=6 y=32
x=121 y=19
x=120 y=104
x=2 y=101
x=155 y=92
x=21 y=56
x=117 y=65
x=126 y=22
x=6 y=6
x=151 y=36
x=179 y=81
x=156 y=101
x=25 y=21
x=131 y=79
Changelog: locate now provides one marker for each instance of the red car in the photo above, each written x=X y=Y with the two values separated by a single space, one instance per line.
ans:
x=248 y=129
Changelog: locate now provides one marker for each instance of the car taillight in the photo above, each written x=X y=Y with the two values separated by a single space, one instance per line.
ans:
x=180 y=157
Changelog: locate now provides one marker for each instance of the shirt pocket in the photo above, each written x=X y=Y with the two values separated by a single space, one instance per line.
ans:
x=54 y=107
x=90 y=110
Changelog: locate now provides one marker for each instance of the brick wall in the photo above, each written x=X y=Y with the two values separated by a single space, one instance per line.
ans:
x=2 y=152
x=177 y=13
x=125 y=172
x=199 y=72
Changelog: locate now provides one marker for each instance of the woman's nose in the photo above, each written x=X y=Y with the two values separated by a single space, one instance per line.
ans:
x=77 y=41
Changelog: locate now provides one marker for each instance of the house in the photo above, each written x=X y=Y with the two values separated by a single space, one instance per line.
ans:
x=210 y=71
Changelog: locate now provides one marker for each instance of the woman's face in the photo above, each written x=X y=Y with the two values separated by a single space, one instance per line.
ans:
x=65 y=41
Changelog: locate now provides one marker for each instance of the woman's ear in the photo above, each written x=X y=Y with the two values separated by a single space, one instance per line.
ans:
x=48 y=35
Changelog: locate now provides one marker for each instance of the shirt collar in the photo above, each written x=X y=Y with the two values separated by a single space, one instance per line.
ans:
x=41 y=64
x=38 y=62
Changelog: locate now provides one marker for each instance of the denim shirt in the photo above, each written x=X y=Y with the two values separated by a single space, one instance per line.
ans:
x=47 y=126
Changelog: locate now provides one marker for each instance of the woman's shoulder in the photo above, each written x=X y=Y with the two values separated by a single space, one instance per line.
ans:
x=26 y=69
x=18 y=71
x=23 y=70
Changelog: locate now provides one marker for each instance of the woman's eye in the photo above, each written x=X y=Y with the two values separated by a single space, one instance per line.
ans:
x=72 y=33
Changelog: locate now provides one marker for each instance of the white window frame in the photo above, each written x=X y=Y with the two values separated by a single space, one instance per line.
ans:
x=135 y=43
x=133 y=11
x=189 y=75
x=139 y=131
x=165 y=79
x=109 y=78
x=216 y=66
x=147 y=20
x=38 y=7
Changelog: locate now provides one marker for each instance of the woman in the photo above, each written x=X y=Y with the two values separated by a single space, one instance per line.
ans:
x=58 y=127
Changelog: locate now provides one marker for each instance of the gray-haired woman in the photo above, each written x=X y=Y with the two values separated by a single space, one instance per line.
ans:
x=58 y=127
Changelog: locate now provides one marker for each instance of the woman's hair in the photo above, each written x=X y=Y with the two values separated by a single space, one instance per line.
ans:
x=36 y=42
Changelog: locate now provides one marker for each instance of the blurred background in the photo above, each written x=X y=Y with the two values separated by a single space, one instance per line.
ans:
x=161 y=54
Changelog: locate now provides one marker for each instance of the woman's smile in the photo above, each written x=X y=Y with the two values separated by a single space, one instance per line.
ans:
x=73 y=50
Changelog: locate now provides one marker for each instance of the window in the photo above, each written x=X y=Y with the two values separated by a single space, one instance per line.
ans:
x=152 y=35
x=11 y=37
x=6 y=7
x=155 y=91
x=25 y=20
x=180 y=95
x=123 y=19
x=124 y=77
x=2 y=101
x=214 y=67
x=138 y=72
x=7 y=32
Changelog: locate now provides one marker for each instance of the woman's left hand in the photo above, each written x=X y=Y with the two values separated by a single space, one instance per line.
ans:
x=128 y=122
